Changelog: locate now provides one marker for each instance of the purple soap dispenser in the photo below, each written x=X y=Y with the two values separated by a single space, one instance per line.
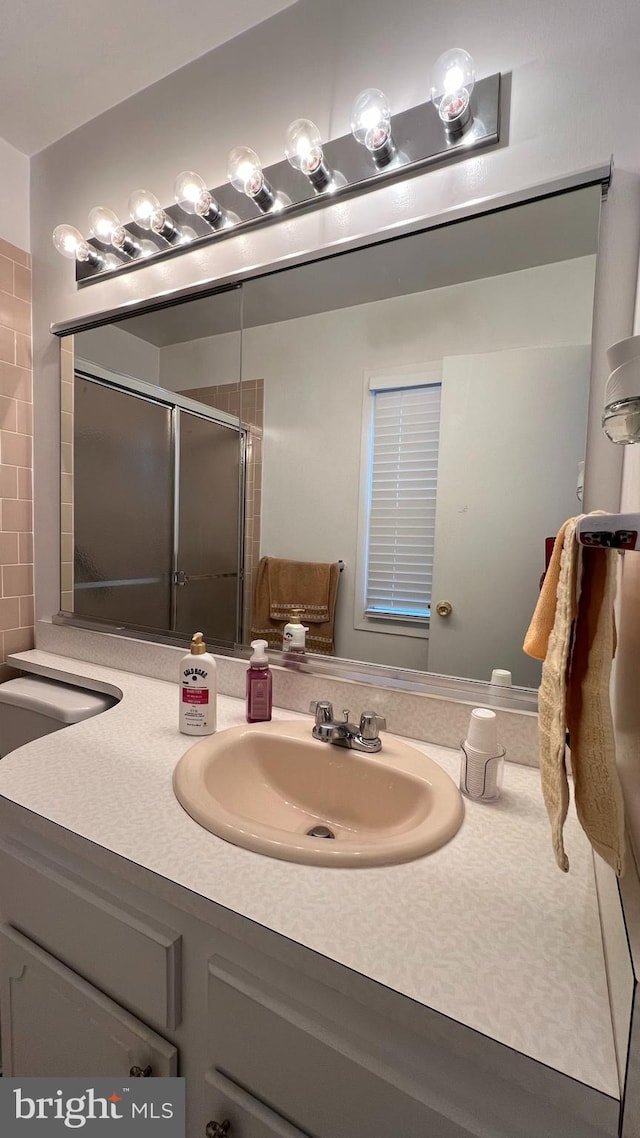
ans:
x=259 y=681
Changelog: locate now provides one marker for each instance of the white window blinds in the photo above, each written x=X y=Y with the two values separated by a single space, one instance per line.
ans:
x=402 y=499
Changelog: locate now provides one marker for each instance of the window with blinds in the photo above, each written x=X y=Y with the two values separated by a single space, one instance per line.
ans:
x=402 y=501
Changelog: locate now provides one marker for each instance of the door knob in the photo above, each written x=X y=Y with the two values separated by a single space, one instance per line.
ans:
x=140 y=1072
x=444 y=608
x=217 y=1129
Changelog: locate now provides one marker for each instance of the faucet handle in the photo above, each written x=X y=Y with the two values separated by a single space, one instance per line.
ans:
x=323 y=711
x=371 y=725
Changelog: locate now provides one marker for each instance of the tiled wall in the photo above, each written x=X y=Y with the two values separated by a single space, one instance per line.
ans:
x=16 y=432
x=245 y=400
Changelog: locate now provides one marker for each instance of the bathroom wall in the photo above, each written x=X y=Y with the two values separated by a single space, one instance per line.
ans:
x=311 y=59
x=16 y=429
x=117 y=350
x=14 y=196
x=567 y=67
x=328 y=353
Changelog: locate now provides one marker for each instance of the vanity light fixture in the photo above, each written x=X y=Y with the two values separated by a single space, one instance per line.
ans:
x=452 y=84
x=192 y=195
x=303 y=151
x=244 y=171
x=146 y=211
x=431 y=133
x=69 y=241
x=107 y=228
x=371 y=125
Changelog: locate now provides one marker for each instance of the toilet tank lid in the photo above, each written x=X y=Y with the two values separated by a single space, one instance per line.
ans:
x=58 y=701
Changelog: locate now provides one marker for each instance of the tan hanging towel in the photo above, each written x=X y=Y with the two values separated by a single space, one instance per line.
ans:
x=282 y=586
x=598 y=794
x=577 y=647
x=537 y=638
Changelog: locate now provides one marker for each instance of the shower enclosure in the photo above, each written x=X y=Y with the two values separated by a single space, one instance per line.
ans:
x=158 y=487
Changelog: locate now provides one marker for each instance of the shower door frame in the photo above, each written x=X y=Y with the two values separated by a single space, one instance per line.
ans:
x=86 y=369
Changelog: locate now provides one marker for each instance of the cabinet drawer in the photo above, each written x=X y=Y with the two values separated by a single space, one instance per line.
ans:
x=294 y=1061
x=248 y=1118
x=54 y=1023
x=128 y=956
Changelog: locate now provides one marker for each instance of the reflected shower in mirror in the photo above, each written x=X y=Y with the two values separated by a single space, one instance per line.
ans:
x=416 y=409
x=153 y=487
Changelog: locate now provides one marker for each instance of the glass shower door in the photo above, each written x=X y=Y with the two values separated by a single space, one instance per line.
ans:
x=123 y=506
x=208 y=589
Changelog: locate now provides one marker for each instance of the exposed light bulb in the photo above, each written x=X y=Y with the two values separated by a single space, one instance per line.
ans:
x=146 y=211
x=192 y=195
x=71 y=244
x=107 y=228
x=452 y=83
x=371 y=125
x=303 y=150
x=244 y=171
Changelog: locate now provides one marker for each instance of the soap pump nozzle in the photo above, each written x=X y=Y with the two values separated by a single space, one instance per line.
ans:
x=259 y=656
x=198 y=646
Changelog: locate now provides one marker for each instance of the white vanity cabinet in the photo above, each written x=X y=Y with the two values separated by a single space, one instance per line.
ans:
x=269 y=1036
x=105 y=966
x=55 y=1023
x=228 y=1108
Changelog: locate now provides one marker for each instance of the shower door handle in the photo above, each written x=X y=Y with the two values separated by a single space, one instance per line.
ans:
x=182 y=578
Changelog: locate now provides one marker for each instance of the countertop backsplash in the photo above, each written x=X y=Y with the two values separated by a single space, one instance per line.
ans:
x=430 y=718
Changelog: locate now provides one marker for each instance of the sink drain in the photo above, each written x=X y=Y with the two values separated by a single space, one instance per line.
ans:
x=320 y=832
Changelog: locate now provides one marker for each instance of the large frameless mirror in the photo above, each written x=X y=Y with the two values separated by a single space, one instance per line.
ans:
x=401 y=427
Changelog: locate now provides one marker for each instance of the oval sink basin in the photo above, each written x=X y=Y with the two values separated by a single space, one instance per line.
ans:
x=265 y=787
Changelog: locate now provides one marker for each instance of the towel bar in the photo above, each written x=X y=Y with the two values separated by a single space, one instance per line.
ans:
x=609 y=531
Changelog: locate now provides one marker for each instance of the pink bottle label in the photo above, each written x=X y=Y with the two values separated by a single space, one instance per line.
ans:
x=195 y=695
x=260 y=698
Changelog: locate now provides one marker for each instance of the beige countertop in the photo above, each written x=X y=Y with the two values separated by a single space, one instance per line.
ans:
x=486 y=930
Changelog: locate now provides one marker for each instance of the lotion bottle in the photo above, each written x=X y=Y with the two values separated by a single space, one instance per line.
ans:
x=294 y=633
x=198 y=691
x=259 y=683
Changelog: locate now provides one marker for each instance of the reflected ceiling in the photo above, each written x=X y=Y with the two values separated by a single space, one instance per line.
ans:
x=551 y=229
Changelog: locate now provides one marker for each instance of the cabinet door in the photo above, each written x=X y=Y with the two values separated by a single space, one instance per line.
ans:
x=54 y=1023
x=246 y=1117
x=320 y=1078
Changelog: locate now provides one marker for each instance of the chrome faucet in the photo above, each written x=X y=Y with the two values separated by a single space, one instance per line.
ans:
x=364 y=736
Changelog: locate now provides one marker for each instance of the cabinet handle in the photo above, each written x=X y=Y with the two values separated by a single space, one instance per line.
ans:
x=141 y=1073
x=217 y=1129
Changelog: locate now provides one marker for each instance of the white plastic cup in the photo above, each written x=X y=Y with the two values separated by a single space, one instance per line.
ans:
x=480 y=774
x=623 y=351
x=501 y=677
x=624 y=381
x=482 y=733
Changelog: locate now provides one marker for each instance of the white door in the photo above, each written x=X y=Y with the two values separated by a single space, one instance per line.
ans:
x=504 y=485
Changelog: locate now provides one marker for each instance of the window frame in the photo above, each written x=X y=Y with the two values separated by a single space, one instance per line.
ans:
x=408 y=375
